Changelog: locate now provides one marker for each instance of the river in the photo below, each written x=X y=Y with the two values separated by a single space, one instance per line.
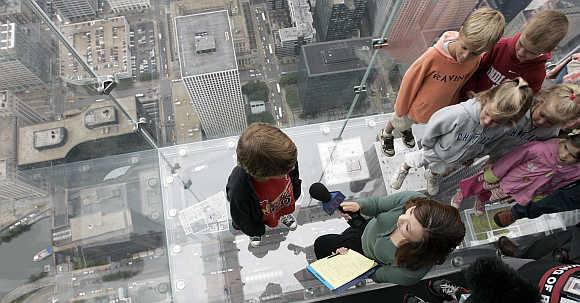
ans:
x=16 y=264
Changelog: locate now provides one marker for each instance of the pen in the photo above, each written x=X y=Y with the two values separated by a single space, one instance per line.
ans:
x=332 y=256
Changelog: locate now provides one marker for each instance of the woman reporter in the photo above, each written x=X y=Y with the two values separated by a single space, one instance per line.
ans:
x=407 y=234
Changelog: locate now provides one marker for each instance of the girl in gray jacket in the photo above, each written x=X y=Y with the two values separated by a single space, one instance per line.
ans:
x=457 y=134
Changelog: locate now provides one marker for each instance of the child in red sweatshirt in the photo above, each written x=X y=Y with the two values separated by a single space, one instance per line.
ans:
x=435 y=79
x=523 y=55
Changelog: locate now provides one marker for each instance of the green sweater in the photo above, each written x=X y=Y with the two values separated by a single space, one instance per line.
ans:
x=376 y=242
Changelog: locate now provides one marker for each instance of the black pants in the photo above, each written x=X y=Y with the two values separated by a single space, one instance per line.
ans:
x=326 y=245
x=564 y=199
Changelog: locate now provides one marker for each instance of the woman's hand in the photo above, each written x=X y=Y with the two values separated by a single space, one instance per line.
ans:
x=341 y=251
x=349 y=206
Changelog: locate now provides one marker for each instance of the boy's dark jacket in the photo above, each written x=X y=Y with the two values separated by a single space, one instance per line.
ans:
x=244 y=203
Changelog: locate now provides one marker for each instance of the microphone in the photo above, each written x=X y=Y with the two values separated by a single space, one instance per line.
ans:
x=331 y=202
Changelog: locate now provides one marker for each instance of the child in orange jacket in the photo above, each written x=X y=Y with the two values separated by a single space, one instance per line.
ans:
x=435 y=79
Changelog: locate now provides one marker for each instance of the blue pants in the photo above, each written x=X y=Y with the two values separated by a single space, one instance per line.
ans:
x=564 y=199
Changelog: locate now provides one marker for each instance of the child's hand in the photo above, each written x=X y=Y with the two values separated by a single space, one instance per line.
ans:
x=576 y=57
x=470 y=94
x=341 y=251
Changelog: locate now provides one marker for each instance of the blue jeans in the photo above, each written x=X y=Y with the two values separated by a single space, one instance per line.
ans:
x=564 y=199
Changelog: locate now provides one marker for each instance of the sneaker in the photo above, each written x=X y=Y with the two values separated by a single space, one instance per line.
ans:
x=408 y=138
x=457 y=199
x=399 y=177
x=479 y=207
x=432 y=182
x=507 y=246
x=255 y=241
x=504 y=218
x=387 y=143
x=289 y=221
x=446 y=290
x=408 y=298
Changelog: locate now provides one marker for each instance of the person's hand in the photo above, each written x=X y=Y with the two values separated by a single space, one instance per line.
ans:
x=576 y=57
x=341 y=251
x=350 y=206
x=470 y=94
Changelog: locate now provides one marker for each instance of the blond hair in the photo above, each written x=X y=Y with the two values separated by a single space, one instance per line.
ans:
x=561 y=102
x=265 y=151
x=507 y=102
x=546 y=29
x=483 y=28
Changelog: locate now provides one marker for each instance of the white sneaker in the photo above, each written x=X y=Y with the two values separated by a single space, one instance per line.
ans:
x=432 y=182
x=255 y=241
x=289 y=221
x=399 y=177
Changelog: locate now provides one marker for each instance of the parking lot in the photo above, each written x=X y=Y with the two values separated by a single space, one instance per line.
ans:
x=143 y=52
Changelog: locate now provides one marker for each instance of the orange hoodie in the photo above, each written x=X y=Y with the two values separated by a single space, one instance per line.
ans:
x=433 y=81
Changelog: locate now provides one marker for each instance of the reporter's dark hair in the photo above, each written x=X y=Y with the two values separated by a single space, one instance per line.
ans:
x=443 y=231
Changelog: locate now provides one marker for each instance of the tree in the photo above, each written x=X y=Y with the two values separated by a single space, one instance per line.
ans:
x=288 y=79
x=256 y=91
x=265 y=117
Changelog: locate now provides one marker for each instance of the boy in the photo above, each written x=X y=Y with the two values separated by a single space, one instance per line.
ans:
x=435 y=79
x=265 y=184
x=523 y=55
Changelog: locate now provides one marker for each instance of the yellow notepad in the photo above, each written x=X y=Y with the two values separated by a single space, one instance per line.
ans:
x=341 y=269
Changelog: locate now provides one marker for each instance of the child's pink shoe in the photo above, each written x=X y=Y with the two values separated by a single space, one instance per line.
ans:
x=457 y=199
x=479 y=207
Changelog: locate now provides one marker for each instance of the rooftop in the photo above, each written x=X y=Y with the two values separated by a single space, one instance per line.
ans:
x=99 y=224
x=8 y=137
x=198 y=35
x=337 y=56
x=76 y=131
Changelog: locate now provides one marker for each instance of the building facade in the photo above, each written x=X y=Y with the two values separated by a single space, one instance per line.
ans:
x=126 y=5
x=23 y=61
x=289 y=40
x=338 y=19
x=210 y=73
x=14 y=184
x=72 y=9
x=10 y=105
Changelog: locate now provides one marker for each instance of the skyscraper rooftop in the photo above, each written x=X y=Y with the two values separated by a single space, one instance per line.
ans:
x=205 y=43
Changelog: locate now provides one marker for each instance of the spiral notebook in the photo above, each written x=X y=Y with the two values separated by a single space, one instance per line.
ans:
x=340 y=272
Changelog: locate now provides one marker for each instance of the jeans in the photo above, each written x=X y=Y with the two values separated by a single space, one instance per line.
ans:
x=563 y=199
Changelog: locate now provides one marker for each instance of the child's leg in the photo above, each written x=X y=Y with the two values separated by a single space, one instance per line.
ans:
x=413 y=159
x=389 y=128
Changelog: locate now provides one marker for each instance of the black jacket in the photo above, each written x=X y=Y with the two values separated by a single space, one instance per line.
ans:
x=244 y=203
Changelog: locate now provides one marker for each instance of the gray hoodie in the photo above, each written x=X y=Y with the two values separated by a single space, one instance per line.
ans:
x=522 y=133
x=455 y=135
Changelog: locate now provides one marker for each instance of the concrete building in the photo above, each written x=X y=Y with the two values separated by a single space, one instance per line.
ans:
x=72 y=9
x=24 y=64
x=10 y=105
x=338 y=19
x=243 y=30
x=99 y=130
x=104 y=46
x=14 y=184
x=289 y=40
x=210 y=73
x=127 y=5
x=328 y=72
